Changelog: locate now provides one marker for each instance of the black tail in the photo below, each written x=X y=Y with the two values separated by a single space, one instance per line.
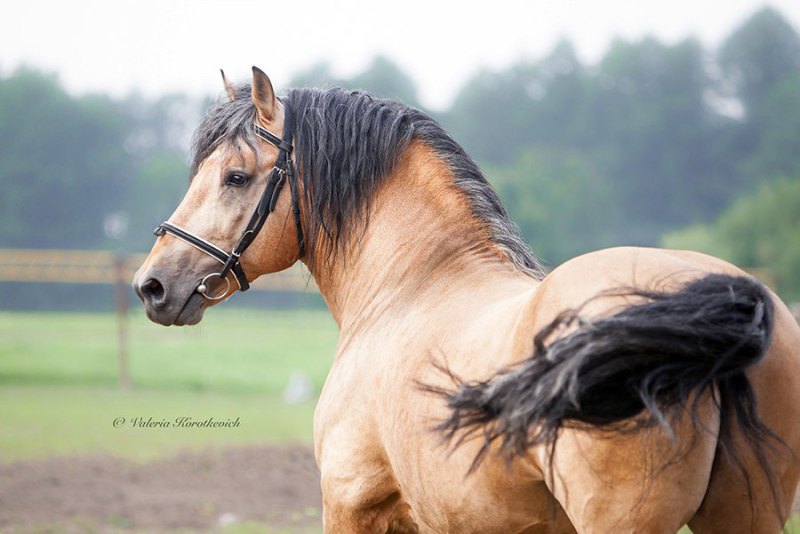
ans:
x=649 y=359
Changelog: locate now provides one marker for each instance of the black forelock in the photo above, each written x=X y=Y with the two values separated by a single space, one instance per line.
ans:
x=229 y=121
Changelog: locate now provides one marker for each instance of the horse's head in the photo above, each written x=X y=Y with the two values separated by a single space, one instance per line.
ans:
x=237 y=220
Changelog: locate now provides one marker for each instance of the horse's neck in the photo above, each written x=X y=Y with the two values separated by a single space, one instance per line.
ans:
x=421 y=244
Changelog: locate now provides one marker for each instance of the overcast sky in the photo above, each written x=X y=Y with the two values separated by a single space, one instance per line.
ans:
x=179 y=45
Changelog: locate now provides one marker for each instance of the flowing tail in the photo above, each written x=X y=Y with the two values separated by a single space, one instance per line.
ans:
x=649 y=360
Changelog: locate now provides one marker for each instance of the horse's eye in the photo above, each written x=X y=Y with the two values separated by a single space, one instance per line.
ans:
x=236 y=179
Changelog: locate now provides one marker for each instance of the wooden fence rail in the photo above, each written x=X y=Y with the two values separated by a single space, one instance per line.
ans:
x=103 y=267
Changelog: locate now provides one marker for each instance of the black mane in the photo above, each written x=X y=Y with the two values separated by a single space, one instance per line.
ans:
x=346 y=143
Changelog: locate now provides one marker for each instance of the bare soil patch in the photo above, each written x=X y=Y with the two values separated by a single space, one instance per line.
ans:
x=277 y=485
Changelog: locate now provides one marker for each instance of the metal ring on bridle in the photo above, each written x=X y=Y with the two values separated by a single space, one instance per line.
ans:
x=203 y=287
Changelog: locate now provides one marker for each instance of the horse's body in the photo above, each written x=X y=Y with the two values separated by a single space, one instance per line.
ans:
x=372 y=427
x=426 y=280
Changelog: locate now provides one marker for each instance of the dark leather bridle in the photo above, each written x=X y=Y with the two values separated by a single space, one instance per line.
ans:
x=282 y=172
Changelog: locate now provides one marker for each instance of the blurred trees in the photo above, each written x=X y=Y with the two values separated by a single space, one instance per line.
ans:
x=381 y=78
x=62 y=162
x=639 y=118
x=650 y=133
x=498 y=115
x=653 y=138
x=70 y=164
x=159 y=135
x=758 y=56
x=759 y=67
x=776 y=140
x=659 y=136
x=562 y=205
x=760 y=230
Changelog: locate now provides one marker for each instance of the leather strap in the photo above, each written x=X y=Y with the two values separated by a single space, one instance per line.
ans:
x=301 y=241
x=270 y=137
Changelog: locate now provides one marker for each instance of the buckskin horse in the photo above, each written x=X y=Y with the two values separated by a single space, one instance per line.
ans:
x=628 y=390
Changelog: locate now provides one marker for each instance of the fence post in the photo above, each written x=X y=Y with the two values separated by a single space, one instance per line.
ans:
x=121 y=285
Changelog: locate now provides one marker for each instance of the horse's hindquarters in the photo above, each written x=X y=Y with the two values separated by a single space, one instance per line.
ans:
x=639 y=482
x=728 y=506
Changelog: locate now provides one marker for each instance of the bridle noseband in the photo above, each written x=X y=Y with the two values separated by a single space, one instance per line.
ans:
x=282 y=172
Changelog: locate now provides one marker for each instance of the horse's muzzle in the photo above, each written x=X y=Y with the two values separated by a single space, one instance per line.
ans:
x=168 y=302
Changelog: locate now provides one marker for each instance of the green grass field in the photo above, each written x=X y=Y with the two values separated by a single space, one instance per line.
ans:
x=231 y=350
x=58 y=376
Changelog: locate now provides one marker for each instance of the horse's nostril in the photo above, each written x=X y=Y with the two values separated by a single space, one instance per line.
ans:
x=152 y=290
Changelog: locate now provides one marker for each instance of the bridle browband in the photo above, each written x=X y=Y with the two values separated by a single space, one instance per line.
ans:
x=282 y=172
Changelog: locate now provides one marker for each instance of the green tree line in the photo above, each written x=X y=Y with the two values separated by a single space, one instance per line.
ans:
x=652 y=139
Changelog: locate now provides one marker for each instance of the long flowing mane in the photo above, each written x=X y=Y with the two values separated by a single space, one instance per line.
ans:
x=346 y=143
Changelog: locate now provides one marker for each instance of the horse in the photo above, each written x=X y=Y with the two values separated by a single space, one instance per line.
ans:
x=629 y=389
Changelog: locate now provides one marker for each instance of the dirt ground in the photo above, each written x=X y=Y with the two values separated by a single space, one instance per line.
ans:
x=277 y=485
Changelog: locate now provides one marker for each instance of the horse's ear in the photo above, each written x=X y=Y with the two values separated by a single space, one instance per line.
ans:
x=229 y=87
x=263 y=95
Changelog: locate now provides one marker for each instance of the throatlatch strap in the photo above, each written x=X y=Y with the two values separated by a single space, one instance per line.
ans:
x=301 y=241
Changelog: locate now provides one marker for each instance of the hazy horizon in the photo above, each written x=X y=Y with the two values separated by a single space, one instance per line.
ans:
x=157 y=48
